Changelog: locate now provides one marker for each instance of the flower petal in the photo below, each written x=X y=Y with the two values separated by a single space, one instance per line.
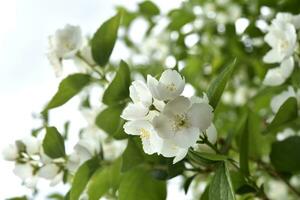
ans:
x=200 y=115
x=273 y=56
x=274 y=77
x=163 y=126
x=287 y=67
x=179 y=105
x=186 y=137
x=134 y=111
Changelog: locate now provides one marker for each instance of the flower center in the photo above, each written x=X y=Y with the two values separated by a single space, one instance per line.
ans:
x=144 y=134
x=284 y=45
x=180 y=122
x=171 y=87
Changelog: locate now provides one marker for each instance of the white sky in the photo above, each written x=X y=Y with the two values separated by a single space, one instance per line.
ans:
x=26 y=79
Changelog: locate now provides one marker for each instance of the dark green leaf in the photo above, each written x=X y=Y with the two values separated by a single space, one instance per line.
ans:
x=209 y=156
x=118 y=90
x=240 y=184
x=221 y=186
x=132 y=155
x=218 y=85
x=82 y=177
x=104 y=40
x=286 y=113
x=67 y=89
x=137 y=184
x=244 y=147
x=187 y=183
x=148 y=8
x=53 y=143
x=103 y=179
x=285 y=155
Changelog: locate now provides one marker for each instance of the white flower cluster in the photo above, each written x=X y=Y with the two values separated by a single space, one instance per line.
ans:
x=282 y=38
x=66 y=43
x=32 y=163
x=167 y=123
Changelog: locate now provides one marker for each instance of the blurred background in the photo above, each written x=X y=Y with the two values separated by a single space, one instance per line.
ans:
x=27 y=81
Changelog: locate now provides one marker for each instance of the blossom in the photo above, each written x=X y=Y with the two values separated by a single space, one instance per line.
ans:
x=181 y=121
x=279 y=99
x=10 y=152
x=142 y=100
x=64 y=44
x=278 y=75
x=282 y=39
x=51 y=172
x=169 y=86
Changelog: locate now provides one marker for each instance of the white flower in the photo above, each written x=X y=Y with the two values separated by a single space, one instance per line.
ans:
x=150 y=140
x=282 y=38
x=279 y=99
x=88 y=146
x=10 y=152
x=289 y=18
x=278 y=75
x=64 y=44
x=142 y=101
x=24 y=171
x=181 y=121
x=169 y=86
x=32 y=145
x=48 y=171
x=73 y=162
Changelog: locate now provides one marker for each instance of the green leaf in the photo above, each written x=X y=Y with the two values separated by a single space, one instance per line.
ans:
x=240 y=184
x=285 y=155
x=18 y=198
x=103 y=179
x=68 y=88
x=286 y=113
x=82 y=176
x=56 y=196
x=104 y=40
x=132 y=155
x=244 y=147
x=137 y=184
x=208 y=156
x=118 y=90
x=53 y=143
x=218 y=85
x=109 y=120
x=221 y=186
x=179 y=17
x=148 y=8
x=187 y=183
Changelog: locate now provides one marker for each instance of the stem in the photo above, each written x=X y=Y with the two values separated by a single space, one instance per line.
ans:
x=205 y=140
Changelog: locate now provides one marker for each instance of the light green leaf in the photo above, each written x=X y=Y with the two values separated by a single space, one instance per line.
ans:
x=286 y=113
x=118 y=90
x=218 y=85
x=109 y=120
x=179 y=17
x=137 y=184
x=285 y=155
x=82 y=176
x=148 y=8
x=203 y=156
x=132 y=155
x=221 y=186
x=103 y=179
x=53 y=143
x=104 y=40
x=67 y=89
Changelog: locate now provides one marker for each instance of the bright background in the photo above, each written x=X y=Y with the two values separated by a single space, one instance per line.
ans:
x=27 y=81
